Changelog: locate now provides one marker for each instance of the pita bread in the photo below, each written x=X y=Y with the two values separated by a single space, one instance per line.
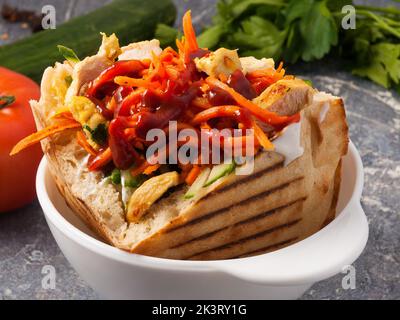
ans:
x=279 y=204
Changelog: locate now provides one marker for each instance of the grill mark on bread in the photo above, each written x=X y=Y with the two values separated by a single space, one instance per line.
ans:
x=269 y=212
x=249 y=178
x=246 y=239
x=243 y=222
x=245 y=180
x=266 y=249
x=222 y=210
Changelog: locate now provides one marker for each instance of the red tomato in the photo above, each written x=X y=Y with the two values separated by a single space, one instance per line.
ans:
x=17 y=173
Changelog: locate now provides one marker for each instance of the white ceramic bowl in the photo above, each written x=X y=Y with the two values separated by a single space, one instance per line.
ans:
x=283 y=274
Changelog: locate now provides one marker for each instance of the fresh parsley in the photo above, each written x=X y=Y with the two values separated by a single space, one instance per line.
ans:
x=68 y=54
x=68 y=80
x=134 y=182
x=308 y=30
x=98 y=134
x=116 y=176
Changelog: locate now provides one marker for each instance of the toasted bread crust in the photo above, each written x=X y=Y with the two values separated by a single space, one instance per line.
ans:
x=79 y=206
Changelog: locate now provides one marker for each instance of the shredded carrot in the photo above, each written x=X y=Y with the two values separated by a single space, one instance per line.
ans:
x=223 y=77
x=172 y=73
x=44 y=133
x=150 y=169
x=214 y=112
x=140 y=169
x=257 y=111
x=280 y=67
x=262 y=137
x=156 y=67
x=269 y=72
x=82 y=141
x=132 y=82
x=192 y=175
x=262 y=79
x=65 y=115
x=180 y=46
x=201 y=102
x=112 y=104
x=190 y=35
x=100 y=160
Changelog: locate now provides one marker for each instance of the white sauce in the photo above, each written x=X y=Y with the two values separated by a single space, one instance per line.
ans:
x=288 y=143
x=126 y=192
x=105 y=181
x=324 y=99
x=82 y=166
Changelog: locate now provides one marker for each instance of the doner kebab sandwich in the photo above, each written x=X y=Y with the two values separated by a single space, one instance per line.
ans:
x=95 y=116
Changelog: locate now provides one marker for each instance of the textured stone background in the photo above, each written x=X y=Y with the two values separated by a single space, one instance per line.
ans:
x=26 y=244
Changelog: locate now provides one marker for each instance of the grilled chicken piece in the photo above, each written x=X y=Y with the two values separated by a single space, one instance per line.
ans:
x=250 y=64
x=86 y=71
x=286 y=97
x=222 y=61
x=148 y=193
x=141 y=50
x=91 y=67
x=109 y=47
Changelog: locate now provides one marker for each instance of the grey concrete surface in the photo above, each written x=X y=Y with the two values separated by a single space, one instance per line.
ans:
x=26 y=244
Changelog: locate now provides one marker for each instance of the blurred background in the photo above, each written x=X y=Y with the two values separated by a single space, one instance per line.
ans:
x=26 y=244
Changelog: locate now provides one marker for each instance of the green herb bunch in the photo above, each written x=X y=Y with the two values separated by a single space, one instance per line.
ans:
x=308 y=30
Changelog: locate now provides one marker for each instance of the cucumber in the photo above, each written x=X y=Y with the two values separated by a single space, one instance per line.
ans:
x=116 y=176
x=131 y=182
x=198 y=184
x=130 y=20
x=218 y=171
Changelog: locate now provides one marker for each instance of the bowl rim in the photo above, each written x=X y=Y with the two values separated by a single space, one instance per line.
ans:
x=113 y=253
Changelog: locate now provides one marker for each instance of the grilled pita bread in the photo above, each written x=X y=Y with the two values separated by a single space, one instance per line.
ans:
x=279 y=204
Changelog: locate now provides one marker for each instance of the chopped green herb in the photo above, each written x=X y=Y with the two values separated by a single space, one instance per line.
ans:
x=309 y=82
x=68 y=80
x=98 y=134
x=116 y=176
x=134 y=182
x=309 y=30
x=68 y=54
x=6 y=101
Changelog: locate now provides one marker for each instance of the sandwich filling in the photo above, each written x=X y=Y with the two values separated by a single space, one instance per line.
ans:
x=114 y=99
